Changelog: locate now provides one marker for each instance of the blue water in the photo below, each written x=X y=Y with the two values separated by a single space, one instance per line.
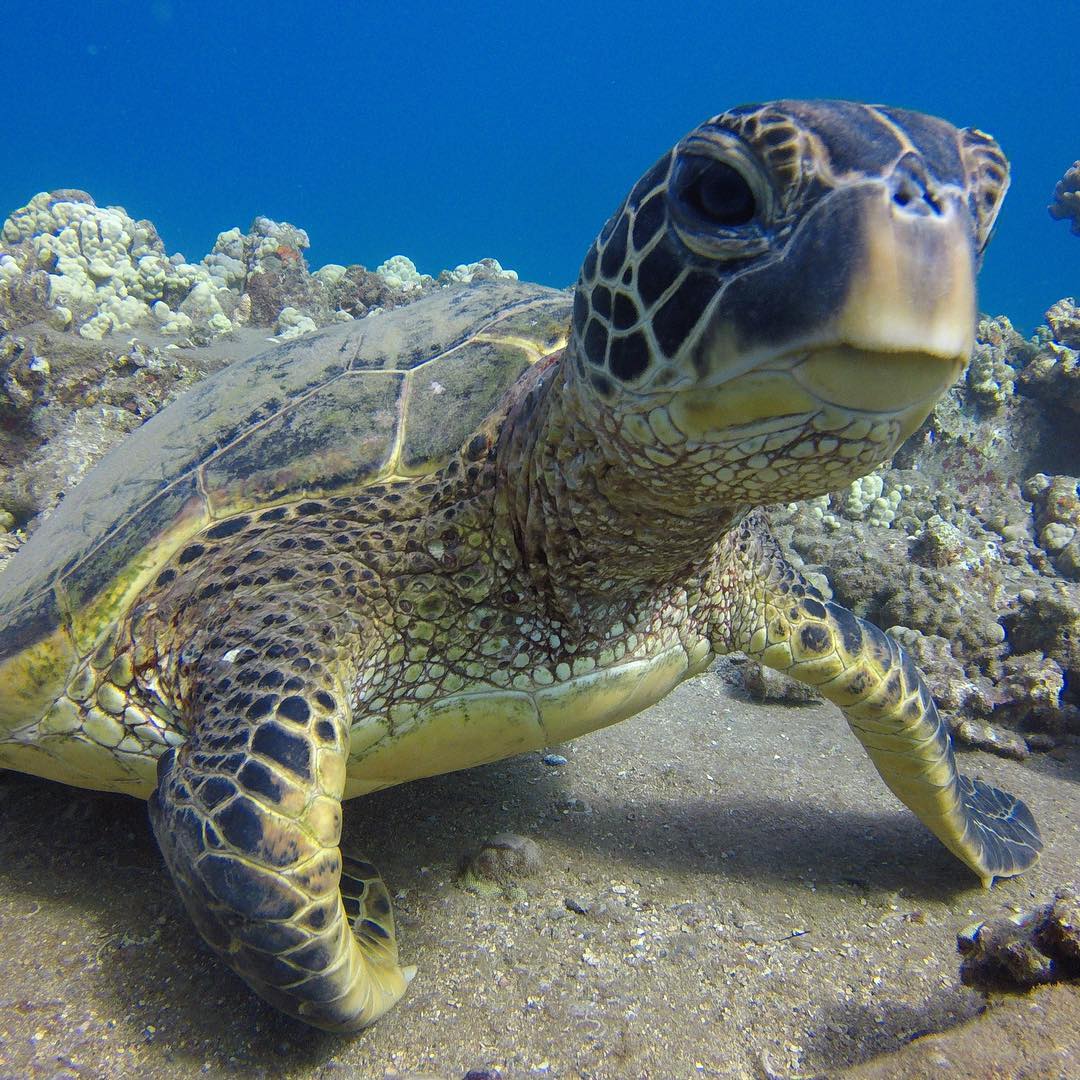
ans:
x=449 y=132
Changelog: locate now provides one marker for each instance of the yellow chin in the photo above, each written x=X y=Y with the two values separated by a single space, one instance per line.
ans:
x=898 y=386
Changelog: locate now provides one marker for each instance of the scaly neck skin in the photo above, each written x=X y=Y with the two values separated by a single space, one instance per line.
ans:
x=586 y=526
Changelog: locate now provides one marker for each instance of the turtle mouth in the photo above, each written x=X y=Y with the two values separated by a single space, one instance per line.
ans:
x=872 y=380
x=863 y=383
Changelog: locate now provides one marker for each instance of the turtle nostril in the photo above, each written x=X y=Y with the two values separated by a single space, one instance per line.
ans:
x=911 y=191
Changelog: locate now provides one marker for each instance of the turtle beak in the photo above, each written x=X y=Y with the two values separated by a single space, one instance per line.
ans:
x=909 y=309
x=913 y=285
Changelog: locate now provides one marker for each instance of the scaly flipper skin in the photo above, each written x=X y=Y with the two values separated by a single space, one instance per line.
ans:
x=788 y=625
x=248 y=816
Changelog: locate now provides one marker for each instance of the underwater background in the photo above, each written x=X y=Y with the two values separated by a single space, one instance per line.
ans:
x=726 y=889
x=452 y=132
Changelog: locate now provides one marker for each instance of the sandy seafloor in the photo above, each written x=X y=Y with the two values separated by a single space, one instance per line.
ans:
x=727 y=890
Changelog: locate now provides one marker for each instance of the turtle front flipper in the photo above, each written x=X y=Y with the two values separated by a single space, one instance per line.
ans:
x=248 y=816
x=789 y=626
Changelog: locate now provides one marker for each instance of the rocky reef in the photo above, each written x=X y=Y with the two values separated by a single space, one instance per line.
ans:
x=1017 y=950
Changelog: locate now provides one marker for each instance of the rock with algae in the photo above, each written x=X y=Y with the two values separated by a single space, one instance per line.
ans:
x=500 y=862
x=1053 y=375
x=1056 y=504
x=1017 y=951
x=764 y=684
x=999 y=354
x=1066 y=203
x=1063 y=322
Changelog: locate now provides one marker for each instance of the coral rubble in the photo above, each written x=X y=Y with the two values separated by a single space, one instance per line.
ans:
x=1022 y=950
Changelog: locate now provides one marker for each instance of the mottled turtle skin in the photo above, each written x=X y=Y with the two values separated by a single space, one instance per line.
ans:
x=504 y=516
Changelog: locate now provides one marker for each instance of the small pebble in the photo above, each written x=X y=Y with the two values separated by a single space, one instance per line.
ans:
x=554 y=760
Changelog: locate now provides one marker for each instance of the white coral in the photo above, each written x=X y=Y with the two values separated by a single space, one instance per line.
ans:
x=235 y=256
x=485 y=269
x=400 y=273
x=291 y=324
x=106 y=270
x=868 y=500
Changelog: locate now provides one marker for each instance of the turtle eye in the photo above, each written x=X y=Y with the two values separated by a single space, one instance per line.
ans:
x=715 y=191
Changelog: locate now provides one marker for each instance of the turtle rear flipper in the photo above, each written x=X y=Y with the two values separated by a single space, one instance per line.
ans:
x=788 y=625
x=248 y=816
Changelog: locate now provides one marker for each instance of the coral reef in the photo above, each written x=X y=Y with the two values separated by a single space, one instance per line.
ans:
x=998 y=355
x=96 y=270
x=400 y=274
x=1066 y=204
x=1021 y=950
x=1063 y=323
x=484 y=270
x=1056 y=504
x=1053 y=375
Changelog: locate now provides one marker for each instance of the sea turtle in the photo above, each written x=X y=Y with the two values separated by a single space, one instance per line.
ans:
x=504 y=516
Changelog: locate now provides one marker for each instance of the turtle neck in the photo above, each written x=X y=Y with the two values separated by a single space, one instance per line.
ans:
x=587 y=523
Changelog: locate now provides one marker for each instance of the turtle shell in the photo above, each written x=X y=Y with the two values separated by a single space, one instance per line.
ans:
x=391 y=396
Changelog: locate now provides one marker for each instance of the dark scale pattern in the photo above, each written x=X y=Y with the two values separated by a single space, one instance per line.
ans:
x=649 y=220
x=581 y=311
x=657 y=272
x=601 y=301
x=680 y=313
x=588 y=268
x=611 y=261
x=629 y=357
x=625 y=313
x=595 y=343
x=651 y=180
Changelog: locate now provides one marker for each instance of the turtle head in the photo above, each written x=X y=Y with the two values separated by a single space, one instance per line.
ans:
x=782 y=298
